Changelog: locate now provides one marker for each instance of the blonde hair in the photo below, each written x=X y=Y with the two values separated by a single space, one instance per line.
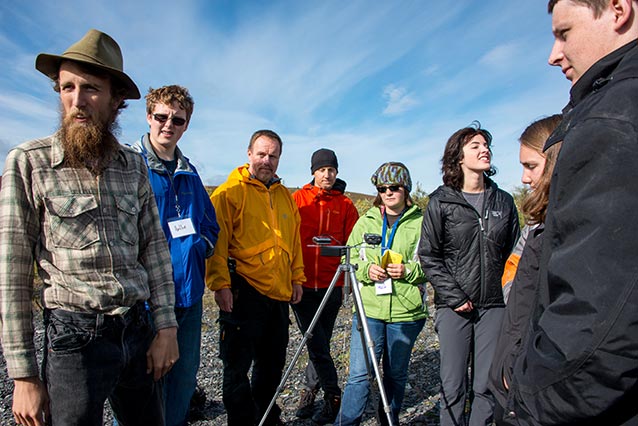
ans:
x=534 y=205
x=167 y=95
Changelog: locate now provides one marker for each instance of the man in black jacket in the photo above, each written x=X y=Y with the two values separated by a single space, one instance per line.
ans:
x=579 y=362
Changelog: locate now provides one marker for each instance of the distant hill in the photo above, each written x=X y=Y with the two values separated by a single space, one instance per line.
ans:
x=362 y=201
x=354 y=196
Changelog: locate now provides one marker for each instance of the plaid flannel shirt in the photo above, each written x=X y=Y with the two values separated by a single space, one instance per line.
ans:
x=97 y=243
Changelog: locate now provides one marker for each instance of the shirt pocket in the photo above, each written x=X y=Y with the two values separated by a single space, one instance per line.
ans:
x=128 y=208
x=73 y=221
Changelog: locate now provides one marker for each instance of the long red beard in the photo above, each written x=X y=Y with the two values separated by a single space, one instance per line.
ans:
x=89 y=145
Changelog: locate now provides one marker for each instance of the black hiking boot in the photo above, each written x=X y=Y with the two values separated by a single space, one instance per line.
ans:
x=306 y=406
x=329 y=410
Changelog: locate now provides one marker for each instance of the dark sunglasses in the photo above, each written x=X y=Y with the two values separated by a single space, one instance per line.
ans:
x=383 y=189
x=177 y=121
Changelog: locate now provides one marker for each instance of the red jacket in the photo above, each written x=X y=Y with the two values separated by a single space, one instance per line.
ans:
x=323 y=212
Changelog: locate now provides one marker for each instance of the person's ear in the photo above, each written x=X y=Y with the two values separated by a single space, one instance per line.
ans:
x=116 y=102
x=623 y=12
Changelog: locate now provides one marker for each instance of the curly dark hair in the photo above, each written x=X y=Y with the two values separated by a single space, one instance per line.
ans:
x=453 y=154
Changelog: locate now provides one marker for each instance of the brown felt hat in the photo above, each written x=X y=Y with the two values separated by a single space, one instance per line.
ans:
x=95 y=49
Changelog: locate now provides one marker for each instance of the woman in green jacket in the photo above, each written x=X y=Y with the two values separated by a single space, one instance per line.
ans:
x=392 y=283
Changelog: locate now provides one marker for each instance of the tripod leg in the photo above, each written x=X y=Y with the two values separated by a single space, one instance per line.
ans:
x=366 y=355
x=306 y=336
x=369 y=344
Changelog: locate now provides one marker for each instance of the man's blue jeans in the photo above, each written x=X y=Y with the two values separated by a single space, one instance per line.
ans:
x=90 y=358
x=395 y=342
x=180 y=382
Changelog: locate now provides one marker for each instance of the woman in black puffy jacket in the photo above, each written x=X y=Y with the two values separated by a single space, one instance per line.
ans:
x=469 y=229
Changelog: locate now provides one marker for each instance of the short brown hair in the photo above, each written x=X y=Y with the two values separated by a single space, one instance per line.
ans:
x=453 y=154
x=597 y=6
x=167 y=95
x=268 y=134
x=534 y=205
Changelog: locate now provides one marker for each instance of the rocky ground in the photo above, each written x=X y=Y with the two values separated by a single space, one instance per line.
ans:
x=420 y=406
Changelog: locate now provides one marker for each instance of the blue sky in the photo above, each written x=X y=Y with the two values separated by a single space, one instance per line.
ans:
x=376 y=81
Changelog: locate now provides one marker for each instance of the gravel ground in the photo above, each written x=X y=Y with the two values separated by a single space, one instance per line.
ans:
x=420 y=406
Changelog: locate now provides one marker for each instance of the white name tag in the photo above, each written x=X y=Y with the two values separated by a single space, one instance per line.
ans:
x=384 y=287
x=181 y=227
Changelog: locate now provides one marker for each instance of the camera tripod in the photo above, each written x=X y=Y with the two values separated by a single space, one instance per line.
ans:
x=350 y=281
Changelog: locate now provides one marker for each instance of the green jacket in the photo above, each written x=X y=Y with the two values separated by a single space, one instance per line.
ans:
x=406 y=303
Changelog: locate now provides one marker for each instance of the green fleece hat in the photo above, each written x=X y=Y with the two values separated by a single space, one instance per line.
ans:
x=392 y=173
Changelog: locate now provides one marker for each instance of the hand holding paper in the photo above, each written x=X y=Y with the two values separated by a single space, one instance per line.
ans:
x=392 y=263
x=390 y=257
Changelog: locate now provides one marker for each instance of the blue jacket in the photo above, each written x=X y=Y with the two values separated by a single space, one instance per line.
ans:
x=188 y=253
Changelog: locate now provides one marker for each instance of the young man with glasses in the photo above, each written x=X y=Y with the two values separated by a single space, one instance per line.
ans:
x=190 y=226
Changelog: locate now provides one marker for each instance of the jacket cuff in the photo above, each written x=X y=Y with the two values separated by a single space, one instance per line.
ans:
x=210 y=247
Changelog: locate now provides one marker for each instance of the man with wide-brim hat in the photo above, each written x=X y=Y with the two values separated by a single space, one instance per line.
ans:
x=97 y=50
x=79 y=205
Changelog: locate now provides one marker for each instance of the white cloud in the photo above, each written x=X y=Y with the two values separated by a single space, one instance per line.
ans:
x=502 y=56
x=26 y=106
x=398 y=100
x=309 y=70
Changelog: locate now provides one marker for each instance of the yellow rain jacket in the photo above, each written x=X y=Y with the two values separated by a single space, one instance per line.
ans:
x=259 y=228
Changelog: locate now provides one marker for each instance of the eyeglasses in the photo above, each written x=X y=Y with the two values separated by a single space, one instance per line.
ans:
x=177 y=121
x=383 y=189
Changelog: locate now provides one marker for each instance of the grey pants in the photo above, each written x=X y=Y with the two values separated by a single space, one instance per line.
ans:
x=458 y=334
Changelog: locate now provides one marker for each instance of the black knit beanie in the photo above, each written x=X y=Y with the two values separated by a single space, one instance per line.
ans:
x=323 y=158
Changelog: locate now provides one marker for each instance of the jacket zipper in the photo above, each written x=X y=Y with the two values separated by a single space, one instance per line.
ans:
x=272 y=223
x=483 y=224
x=321 y=232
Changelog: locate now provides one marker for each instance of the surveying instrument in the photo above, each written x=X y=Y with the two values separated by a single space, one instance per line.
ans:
x=349 y=282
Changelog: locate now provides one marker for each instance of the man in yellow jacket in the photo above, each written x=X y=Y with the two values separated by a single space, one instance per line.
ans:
x=257 y=269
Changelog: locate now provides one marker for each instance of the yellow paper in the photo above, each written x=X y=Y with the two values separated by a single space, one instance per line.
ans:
x=390 y=257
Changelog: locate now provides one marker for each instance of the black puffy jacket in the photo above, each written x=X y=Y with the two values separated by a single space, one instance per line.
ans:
x=462 y=252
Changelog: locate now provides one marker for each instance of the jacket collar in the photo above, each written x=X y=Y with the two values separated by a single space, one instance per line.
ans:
x=451 y=195
x=338 y=188
x=155 y=164
x=620 y=64
x=599 y=74
x=377 y=212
